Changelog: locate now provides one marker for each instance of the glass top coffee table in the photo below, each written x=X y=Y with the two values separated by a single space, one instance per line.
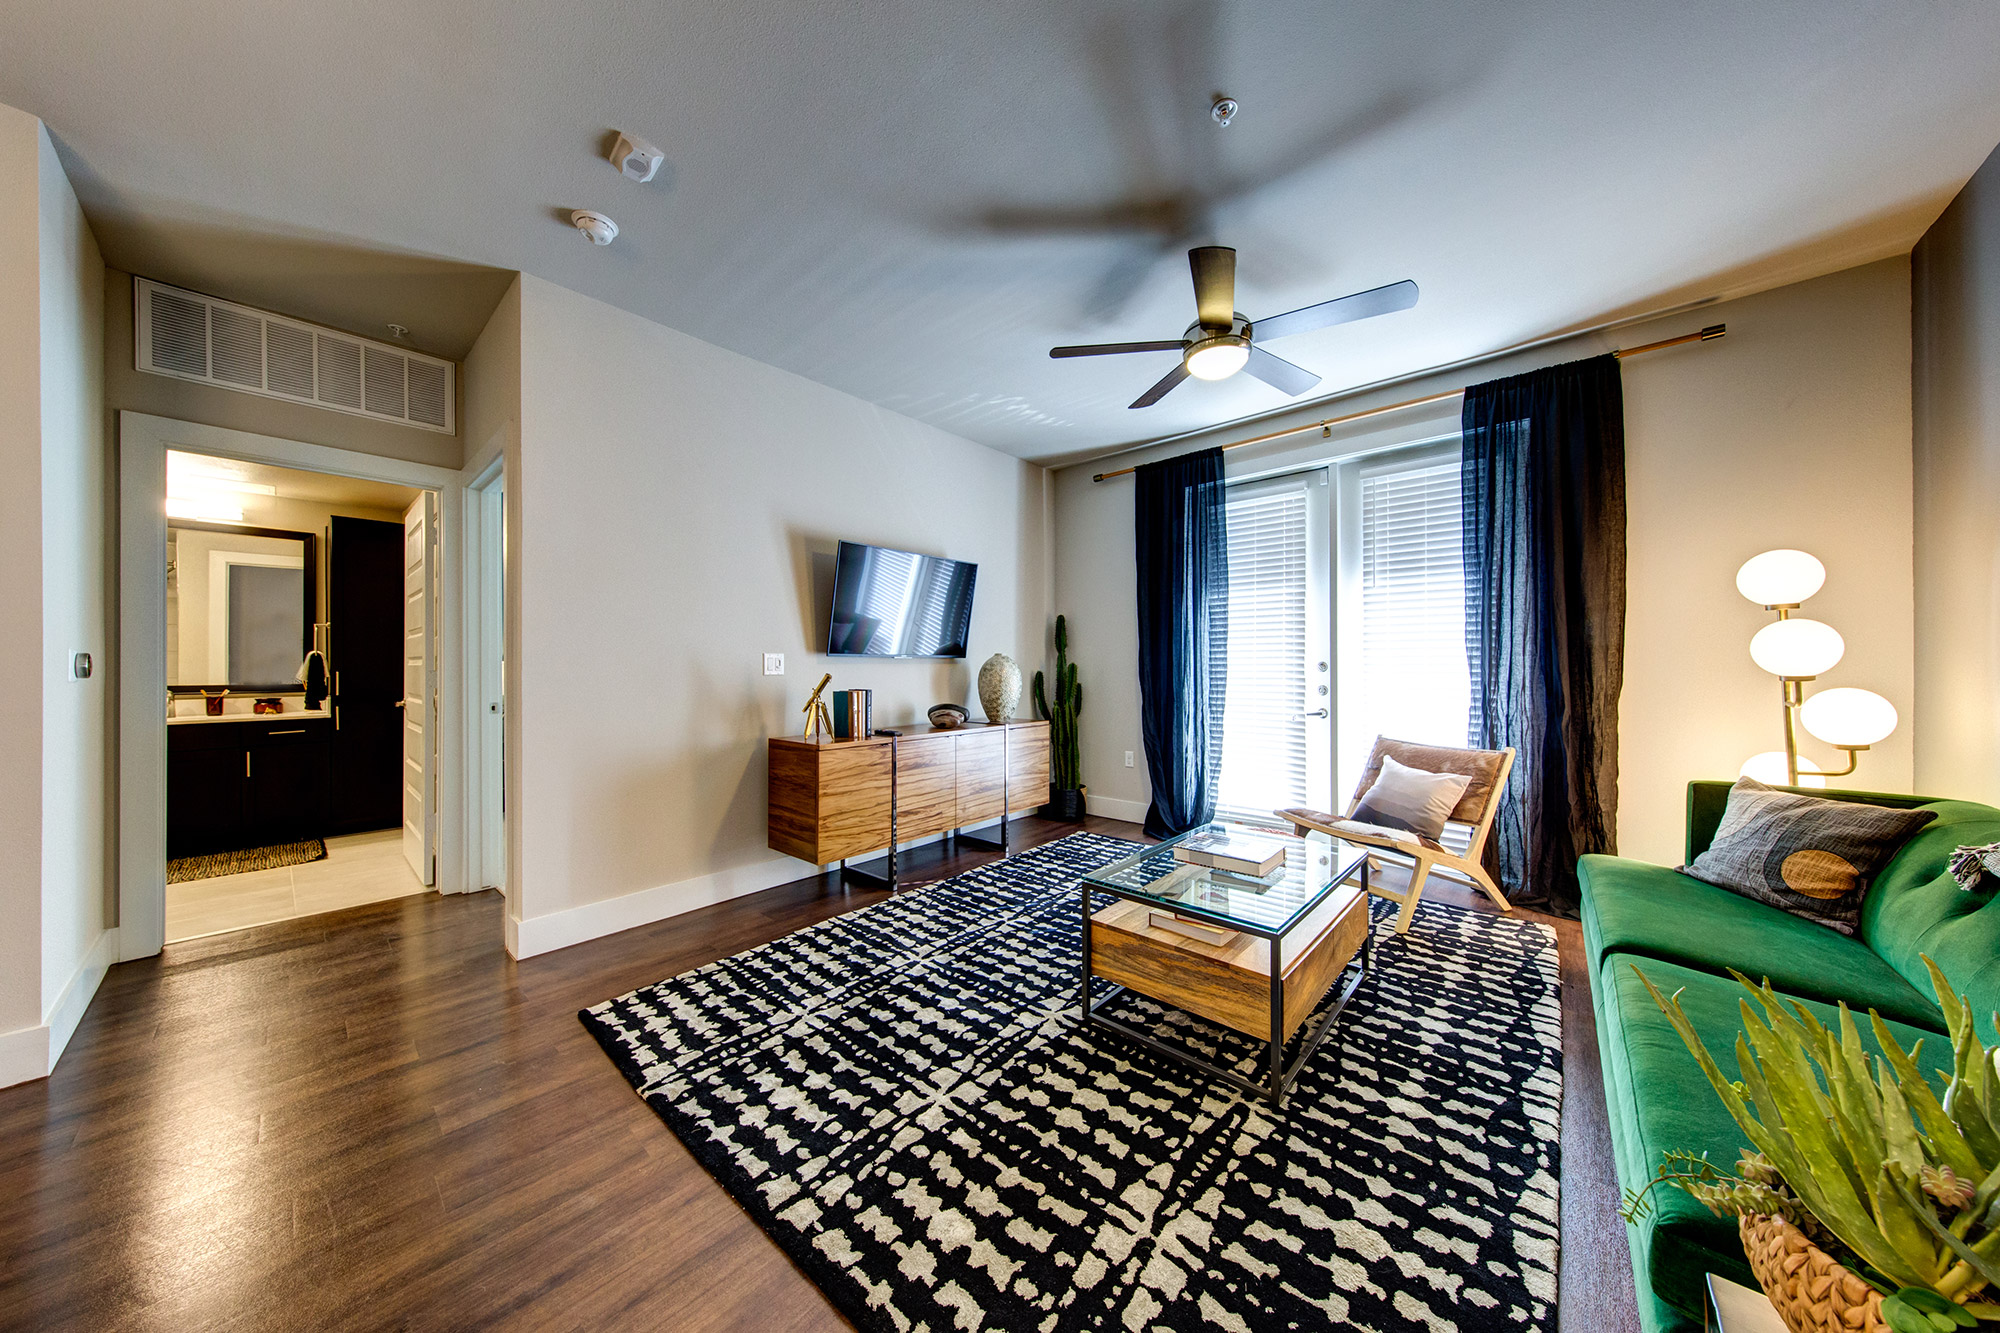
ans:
x=1254 y=954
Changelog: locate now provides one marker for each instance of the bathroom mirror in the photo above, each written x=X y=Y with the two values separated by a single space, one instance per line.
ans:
x=239 y=607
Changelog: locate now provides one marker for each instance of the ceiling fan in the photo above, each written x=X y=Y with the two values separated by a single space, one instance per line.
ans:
x=1221 y=342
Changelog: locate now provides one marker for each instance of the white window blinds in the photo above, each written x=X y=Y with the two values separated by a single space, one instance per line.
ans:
x=1414 y=681
x=1264 y=746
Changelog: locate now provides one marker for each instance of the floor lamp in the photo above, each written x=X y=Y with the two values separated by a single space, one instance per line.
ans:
x=1797 y=650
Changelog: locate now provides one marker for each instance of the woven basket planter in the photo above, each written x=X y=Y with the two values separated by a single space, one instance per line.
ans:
x=1813 y=1292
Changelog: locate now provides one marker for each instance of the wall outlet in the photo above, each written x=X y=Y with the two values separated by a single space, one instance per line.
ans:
x=1128 y=759
x=774 y=664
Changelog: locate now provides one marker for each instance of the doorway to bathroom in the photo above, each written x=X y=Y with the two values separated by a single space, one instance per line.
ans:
x=288 y=695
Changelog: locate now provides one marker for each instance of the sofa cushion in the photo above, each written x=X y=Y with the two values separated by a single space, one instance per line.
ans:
x=1804 y=854
x=1660 y=1101
x=1637 y=908
x=1916 y=908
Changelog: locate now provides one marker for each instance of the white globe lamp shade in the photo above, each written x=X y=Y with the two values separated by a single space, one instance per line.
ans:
x=1849 y=718
x=1769 y=769
x=1797 y=648
x=1780 y=578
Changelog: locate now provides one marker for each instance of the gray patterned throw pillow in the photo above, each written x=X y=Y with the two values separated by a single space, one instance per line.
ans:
x=1810 y=856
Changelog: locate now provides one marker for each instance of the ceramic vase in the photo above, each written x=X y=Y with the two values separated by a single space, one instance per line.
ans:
x=999 y=688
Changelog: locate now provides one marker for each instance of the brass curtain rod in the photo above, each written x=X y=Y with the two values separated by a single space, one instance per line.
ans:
x=1326 y=425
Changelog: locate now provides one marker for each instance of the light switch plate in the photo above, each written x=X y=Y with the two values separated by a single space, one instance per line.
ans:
x=774 y=664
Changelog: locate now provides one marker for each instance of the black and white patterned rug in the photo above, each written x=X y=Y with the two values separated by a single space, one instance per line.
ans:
x=901 y=1097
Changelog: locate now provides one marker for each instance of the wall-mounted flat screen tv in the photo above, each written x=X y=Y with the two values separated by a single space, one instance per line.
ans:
x=899 y=604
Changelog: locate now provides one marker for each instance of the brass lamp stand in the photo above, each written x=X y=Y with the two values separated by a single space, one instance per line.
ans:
x=1796 y=650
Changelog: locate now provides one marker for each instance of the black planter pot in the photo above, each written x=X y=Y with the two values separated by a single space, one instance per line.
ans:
x=1064 y=803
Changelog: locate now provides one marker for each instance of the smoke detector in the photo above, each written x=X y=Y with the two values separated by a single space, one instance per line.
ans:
x=635 y=159
x=600 y=229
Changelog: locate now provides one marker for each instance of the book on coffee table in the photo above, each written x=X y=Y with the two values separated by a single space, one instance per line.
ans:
x=1238 y=851
x=1194 y=930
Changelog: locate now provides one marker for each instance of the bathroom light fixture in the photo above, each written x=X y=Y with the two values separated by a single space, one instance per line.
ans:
x=1796 y=650
x=203 y=509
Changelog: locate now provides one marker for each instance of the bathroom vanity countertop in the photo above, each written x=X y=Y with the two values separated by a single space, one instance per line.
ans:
x=289 y=715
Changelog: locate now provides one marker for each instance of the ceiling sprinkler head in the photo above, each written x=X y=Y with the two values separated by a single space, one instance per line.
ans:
x=399 y=331
x=1223 y=111
x=600 y=229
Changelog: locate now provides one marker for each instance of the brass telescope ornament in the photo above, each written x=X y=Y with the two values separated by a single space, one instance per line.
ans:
x=819 y=726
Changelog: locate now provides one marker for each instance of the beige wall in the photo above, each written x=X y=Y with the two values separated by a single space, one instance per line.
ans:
x=1955 y=303
x=53 y=731
x=1793 y=430
x=20 y=597
x=130 y=389
x=678 y=505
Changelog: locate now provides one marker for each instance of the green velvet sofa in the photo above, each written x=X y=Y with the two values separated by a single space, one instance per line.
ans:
x=1686 y=936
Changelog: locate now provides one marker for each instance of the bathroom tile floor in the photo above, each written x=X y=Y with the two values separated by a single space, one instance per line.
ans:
x=359 y=868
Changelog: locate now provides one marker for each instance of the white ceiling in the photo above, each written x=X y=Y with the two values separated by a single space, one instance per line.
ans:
x=912 y=200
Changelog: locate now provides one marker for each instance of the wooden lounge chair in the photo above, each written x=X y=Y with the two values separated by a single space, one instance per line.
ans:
x=1488 y=770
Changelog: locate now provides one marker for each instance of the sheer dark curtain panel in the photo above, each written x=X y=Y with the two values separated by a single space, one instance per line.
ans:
x=1181 y=538
x=1543 y=478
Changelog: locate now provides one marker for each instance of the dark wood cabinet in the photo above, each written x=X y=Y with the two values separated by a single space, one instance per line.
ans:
x=365 y=610
x=232 y=785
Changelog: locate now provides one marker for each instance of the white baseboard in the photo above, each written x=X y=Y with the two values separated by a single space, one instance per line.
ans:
x=1133 y=812
x=24 y=1055
x=31 y=1053
x=69 y=1007
x=558 y=930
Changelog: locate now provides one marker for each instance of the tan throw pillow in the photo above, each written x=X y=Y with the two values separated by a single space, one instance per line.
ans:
x=1810 y=856
x=1410 y=798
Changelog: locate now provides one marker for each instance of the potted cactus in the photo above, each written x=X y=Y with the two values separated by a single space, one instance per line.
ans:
x=1065 y=759
x=1868 y=1202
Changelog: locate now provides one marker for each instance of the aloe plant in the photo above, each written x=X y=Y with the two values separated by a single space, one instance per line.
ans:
x=1860 y=1151
x=1065 y=757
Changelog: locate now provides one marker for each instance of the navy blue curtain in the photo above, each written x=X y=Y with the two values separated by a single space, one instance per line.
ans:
x=1544 y=528
x=1181 y=537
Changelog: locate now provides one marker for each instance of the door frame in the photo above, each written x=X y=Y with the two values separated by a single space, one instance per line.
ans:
x=484 y=618
x=143 y=442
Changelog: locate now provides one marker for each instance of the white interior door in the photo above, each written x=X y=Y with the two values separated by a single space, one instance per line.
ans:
x=419 y=689
x=492 y=677
x=1277 y=726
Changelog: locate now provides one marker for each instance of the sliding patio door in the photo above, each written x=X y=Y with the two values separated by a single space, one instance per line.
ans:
x=1403 y=667
x=1277 y=726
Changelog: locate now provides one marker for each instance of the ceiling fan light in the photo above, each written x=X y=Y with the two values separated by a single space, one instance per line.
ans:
x=1217 y=358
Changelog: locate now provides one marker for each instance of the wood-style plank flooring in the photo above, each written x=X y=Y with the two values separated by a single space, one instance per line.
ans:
x=374 y=1119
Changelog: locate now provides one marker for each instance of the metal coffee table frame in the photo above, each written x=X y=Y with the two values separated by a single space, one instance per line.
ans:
x=1279 y=1083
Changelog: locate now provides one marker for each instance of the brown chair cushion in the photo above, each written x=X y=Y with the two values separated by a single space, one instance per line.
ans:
x=1482 y=766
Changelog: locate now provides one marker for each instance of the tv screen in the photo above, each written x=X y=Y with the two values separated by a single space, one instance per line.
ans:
x=899 y=604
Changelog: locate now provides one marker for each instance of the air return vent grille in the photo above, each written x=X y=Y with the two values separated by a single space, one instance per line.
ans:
x=194 y=337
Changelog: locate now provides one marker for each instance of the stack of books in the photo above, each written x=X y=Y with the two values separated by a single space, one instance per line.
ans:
x=1234 y=851
x=1238 y=851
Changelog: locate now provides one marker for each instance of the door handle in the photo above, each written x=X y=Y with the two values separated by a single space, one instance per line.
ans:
x=401 y=702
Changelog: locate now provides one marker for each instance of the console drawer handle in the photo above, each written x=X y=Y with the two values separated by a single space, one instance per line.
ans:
x=294 y=731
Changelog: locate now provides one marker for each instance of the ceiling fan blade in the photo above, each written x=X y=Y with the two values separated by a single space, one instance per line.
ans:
x=1340 y=310
x=1214 y=268
x=1115 y=349
x=1162 y=389
x=1279 y=373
